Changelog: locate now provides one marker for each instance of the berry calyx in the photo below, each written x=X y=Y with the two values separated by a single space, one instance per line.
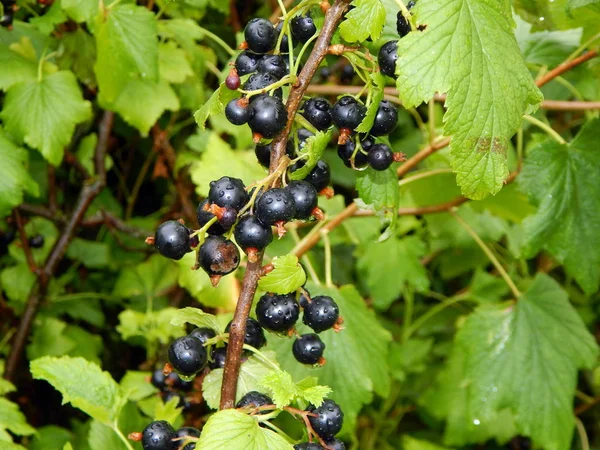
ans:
x=254 y=399
x=228 y=191
x=317 y=111
x=308 y=349
x=203 y=334
x=320 y=176
x=185 y=432
x=159 y=435
x=172 y=239
x=218 y=256
x=275 y=207
x=387 y=57
x=233 y=80
x=187 y=355
x=305 y=198
x=277 y=313
x=273 y=65
x=268 y=116
x=260 y=36
x=255 y=336
x=321 y=313
x=204 y=215
x=347 y=113
x=380 y=157
x=329 y=419
x=237 y=111
x=252 y=236
x=303 y=28
x=386 y=119
x=247 y=62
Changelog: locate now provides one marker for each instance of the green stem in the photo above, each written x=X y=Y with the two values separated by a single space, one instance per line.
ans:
x=581 y=48
x=115 y=427
x=262 y=357
x=304 y=48
x=585 y=443
x=305 y=123
x=547 y=128
x=327 y=245
x=288 y=79
x=219 y=41
x=422 y=175
x=520 y=147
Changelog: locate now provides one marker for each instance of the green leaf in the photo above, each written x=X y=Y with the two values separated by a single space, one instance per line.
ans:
x=13 y=420
x=409 y=357
x=173 y=65
x=560 y=180
x=503 y=352
x=379 y=191
x=196 y=317
x=233 y=429
x=54 y=106
x=283 y=390
x=214 y=105
x=51 y=437
x=92 y=254
x=314 y=147
x=83 y=384
x=146 y=279
x=168 y=411
x=80 y=10
x=78 y=53
x=48 y=339
x=154 y=326
x=367 y=123
x=287 y=276
x=366 y=19
x=135 y=385
x=463 y=52
x=411 y=443
x=15 y=179
x=388 y=266
x=486 y=288
x=547 y=48
x=6 y=387
x=16 y=66
x=48 y=21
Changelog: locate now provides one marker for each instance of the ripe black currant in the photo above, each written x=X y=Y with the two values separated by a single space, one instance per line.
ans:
x=263 y=152
x=303 y=135
x=303 y=28
x=258 y=81
x=226 y=216
x=247 y=62
x=277 y=312
x=237 y=111
x=203 y=334
x=347 y=74
x=159 y=435
x=275 y=205
x=172 y=239
x=252 y=235
x=386 y=119
x=321 y=313
x=317 y=111
x=218 y=256
x=387 y=57
x=204 y=216
x=402 y=25
x=380 y=157
x=187 y=432
x=36 y=241
x=329 y=419
x=169 y=395
x=308 y=349
x=273 y=65
x=320 y=176
x=335 y=444
x=260 y=35
x=348 y=113
x=304 y=298
x=254 y=399
x=187 y=356
x=174 y=381
x=6 y=20
x=255 y=336
x=228 y=191
x=284 y=46
x=268 y=116
x=308 y=446
x=305 y=198
x=158 y=379
x=346 y=151
x=217 y=356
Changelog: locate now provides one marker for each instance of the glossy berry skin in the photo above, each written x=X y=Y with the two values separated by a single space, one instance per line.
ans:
x=254 y=399
x=36 y=241
x=6 y=20
x=303 y=28
x=321 y=313
x=228 y=191
x=255 y=336
x=386 y=119
x=175 y=382
x=284 y=46
x=347 y=74
x=346 y=150
x=247 y=62
x=303 y=298
x=305 y=198
x=308 y=446
x=260 y=36
x=169 y=395
x=308 y=349
x=217 y=356
x=387 y=57
x=347 y=113
x=263 y=152
x=251 y=233
x=232 y=81
x=402 y=25
x=158 y=379
x=329 y=421
x=336 y=444
x=187 y=356
x=268 y=116
x=236 y=113
x=320 y=176
x=172 y=239
x=380 y=157
x=273 y=65
x=278 y=313
x=205 y=216
x=218 y=256
x=317 y=111
x=275 y=205
x=228 y=217
x=259 y=81
x=185 y=432
x=303 y=135
x=203 y=334
x=158 y=435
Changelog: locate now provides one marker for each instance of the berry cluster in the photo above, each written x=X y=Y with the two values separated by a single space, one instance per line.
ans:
x=388 y=53
x=9 y=6
x=172 y=386
x=160 y=435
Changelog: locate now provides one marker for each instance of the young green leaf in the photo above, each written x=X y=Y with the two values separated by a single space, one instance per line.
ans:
x=80 y=10
x=463 y=51
x=6 y=387
x=283 y=390
x=366 y=19
x=367 y=123
x=214 y=105
x=379 y=191
x=154 y=326
x=135 y=385
x=314 y=147
x=13 y=420
x=196 y=317
x=287 y=276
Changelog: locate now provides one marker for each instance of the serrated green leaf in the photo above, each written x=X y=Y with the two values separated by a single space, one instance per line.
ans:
x=12 y=419
x=54 y=106
x=15 y=67
x=83 y=384
x=366 y=19
x=561 y=14
x=214 y=105
x=154 y=326
x=51 y=437
x=547 y=48
x=48 y=339
x=10 y=445
x=486 y=288
x=147 y=278
x=233 y=429
x=91 y=254
x=135 y=385
x=463 y=52
x=379 y=189
x=560 y=179
x=314 y=147
x=173 y=65
x=283 y=390
x=80 y=10
x=68 y=446
x=196 y=317
x=367 y=123
x=287 y=276
x=169 y=411
x=77 y=52
x=409 y=357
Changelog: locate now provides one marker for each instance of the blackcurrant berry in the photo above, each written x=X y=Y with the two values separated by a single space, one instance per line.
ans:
x=320 y=176
x=268 y=116
x=227 y=217
x=284 y=46
x=251 y=233
x=263 y=152
x=402 y=25
x=348 y=113
x=260 y=81
x=321 y=313
x=158 y=379
x=237 y=112
x=380 y=157
x=36 y=241
x=233 y=80
x=303 y=28
x=228 y=191
x=6 y=20
x=247 y=62
x=386 y=119
x=169 y=395
x=217 y=356
x=305 y=198
x=304 y=298
x=260 y=36
x=172 y=239
x=277 y=312
x=308 y=446
x=346 y=151
x=303 y=135
x=336 y=444
x=187 y=356
x=387 y=57
x=255 y=336
x=204 y=216
x=254 y=399
x=317 y=111
x=275 y=205
x=329 y=419
x=308 y=349
x=218 y=256
x=174 y=381
x=159 y=435
x=187 y=432
x=273 y=65
x=347 y=74
x=203 y=334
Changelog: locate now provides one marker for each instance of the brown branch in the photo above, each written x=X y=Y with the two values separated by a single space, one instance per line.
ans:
x=558 y=105
x=253 y=270
x=564 y=67
x=24 y=241
x=586 y=406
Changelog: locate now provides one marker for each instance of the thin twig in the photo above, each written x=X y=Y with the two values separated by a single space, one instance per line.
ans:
x=24 y=241
x=565 y=67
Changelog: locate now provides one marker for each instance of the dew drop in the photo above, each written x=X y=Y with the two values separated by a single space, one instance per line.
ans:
x=476 y=422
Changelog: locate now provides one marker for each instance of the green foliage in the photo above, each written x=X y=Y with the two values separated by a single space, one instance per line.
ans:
x=312 y=151
x=283 y=390
x=287 y=276
x=365 y=20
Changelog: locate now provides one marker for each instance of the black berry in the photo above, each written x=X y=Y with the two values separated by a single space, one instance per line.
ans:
x=320 y=176
x=260 y=81
x=308 y=349
x=304 y=298
x=402 y=25
x=317 y=111
x=228 y=191
x=36 y=241
x=6 y=20
x=187 y=355
x=159 y=435
x=203 y=334
x=380 y=157
x=263 y=152
x=218 y=256
x=260 y=35
x=321 y=313
x=268 y=116
x=348 y=113
x=205 y=216
x=275 y=205
x=345 y=152
x=255 y=336
x=273 y=65
x=347 y=74
x=217 y=356
x=303 y=28
x=305 y=198
x=336 y=444
x=247 y=62
x=308 y=446
x=277 y=312
x=237 y=112
x=254 y=399
x=174 y=381
x=187 y=432
x=303 y=135
x=284 y=46
x=169 y=395
x=158 y=379
x=227 y=217
x=172 y=239
x=387 y=57
x=329 y=420
x=250 y=233
x=386 y=119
